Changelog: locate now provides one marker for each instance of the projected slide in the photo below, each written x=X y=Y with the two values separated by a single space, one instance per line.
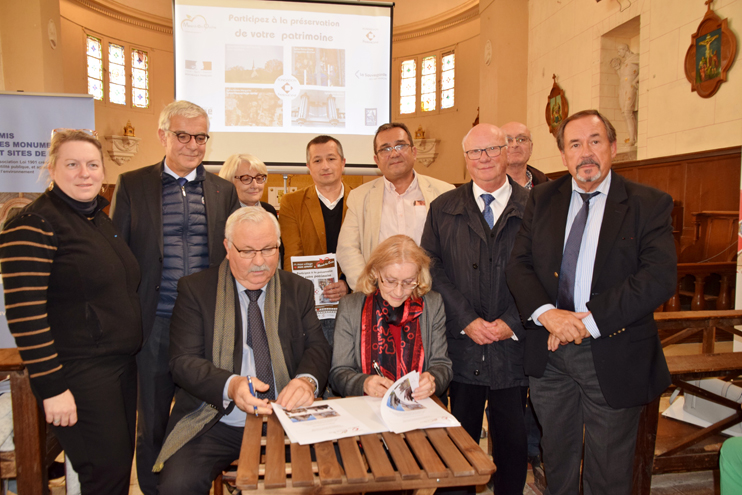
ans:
x=272 y=75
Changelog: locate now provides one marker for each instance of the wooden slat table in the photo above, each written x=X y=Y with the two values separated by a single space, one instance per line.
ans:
x=420 y=460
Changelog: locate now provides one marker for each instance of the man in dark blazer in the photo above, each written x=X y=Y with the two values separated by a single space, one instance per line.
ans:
x=469 y=233
x=174 y=230
x=587 y=273
x=216 y=382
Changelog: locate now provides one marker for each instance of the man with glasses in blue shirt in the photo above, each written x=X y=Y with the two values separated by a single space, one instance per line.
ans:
x=172 y=216
x=396 y=203
x=469 y=234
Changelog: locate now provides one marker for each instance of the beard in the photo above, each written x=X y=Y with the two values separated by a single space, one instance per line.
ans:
x=593 y=178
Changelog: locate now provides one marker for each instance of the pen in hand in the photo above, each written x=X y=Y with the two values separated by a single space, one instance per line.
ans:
x=377 y=369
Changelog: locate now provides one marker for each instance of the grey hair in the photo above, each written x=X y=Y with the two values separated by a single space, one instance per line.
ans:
x=231 y=164
x=181 y=108
x=252 y=215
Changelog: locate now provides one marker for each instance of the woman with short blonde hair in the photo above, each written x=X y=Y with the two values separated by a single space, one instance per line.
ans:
x=392 y=325
x=248 y=174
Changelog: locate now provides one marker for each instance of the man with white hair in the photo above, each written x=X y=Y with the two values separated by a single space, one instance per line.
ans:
x=172 y=215
x=469 y=234
x=243 y=333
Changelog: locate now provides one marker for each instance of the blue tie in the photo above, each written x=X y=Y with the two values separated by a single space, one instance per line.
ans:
x=566 y=295
x=257 y=340
x=182 y=181
x=489 y=217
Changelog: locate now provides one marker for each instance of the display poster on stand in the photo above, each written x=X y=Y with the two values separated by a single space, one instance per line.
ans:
x=26 y=123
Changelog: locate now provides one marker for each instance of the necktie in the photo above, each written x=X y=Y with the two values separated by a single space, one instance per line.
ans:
x=182 y=181
x=258 y=341
x=489 y=217
x=566 y=296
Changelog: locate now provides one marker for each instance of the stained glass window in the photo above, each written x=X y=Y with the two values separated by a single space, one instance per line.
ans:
x=447 y=79
x=95 y=67
x=116 y=74
x=139 y=79
x=408 y=87
x=428 y=84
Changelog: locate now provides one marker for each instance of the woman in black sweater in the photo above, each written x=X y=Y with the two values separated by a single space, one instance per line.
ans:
x=71 y=303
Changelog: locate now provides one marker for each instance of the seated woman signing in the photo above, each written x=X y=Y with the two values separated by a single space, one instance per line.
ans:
x=394 y=322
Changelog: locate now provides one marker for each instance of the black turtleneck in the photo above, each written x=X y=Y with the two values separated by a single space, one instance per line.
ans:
x=85 y=208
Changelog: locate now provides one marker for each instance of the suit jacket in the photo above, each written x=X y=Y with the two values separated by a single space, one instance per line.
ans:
x=635 y=271
x=359 y=234
x=305 y=348
x=136 y=211
x=302 y=224
x=346 y=376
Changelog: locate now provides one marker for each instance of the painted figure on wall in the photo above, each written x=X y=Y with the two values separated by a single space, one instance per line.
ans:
x=707 y=56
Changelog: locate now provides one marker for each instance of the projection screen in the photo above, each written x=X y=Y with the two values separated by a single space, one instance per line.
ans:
x=274 y=74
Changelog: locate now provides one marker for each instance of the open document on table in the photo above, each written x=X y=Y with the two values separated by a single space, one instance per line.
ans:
x=397 y=411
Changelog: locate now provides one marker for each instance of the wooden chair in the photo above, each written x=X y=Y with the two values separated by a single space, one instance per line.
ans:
x=35 y=446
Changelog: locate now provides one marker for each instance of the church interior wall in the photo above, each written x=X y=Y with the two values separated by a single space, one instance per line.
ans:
x=565 y=39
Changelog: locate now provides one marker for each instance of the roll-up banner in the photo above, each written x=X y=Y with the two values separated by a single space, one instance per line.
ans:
x=26 y=122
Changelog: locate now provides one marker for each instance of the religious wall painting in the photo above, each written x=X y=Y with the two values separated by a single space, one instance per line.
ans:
x=557 y=108
x=710 y=55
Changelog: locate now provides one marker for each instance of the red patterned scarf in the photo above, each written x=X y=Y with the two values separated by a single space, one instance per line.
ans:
x=391 y=337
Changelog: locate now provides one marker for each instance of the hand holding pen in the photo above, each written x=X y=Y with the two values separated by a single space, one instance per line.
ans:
x=376 y=385
x=242 y=391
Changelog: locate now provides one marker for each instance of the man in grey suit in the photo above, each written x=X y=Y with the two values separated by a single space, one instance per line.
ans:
x=172 y=216
x=240 y=325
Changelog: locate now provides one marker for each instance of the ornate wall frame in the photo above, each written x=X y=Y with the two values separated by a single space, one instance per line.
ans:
x=557 y=107
x=710 y=54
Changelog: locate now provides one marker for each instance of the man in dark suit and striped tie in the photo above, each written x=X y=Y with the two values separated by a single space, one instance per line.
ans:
x=594 y=258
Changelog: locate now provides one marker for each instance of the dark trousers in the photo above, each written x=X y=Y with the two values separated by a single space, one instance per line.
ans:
x=156 y=391
x=192 y=469
x=506 y=409
x=100 y=445
x=533 y=430
x=567 y=399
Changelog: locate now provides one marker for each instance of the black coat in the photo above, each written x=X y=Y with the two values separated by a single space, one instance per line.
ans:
x=635 y=271
x=455 y=238
x=137 y=213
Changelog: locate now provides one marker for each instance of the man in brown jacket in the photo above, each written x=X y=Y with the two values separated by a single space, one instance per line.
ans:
x=311 y=217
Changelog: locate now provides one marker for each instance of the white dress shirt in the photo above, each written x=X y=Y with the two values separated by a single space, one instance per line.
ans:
x=403 y=213
x=588 y=250
x=331 y=204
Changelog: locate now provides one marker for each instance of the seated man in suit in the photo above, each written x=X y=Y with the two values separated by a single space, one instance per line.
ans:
x=241 y=322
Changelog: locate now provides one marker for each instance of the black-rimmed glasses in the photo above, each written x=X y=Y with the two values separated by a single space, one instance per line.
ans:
x=247 y=179
x=185 y=138
x=492 y=152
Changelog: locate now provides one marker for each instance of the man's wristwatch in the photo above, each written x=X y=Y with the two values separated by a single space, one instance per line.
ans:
x=312 y=382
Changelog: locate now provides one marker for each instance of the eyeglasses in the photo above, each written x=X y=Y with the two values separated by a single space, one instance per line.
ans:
x=519 y=140
x=248 y=254
x=393 y=284
x=90 y=132
x=388 y=150
x=247 y=179
x=492 y=152
x=185 y=138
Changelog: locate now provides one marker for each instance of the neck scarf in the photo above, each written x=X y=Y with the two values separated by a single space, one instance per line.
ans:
x=391 y=337
x=192 y=423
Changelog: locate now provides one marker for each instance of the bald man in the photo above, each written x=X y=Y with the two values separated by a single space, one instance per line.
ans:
x=469 y=234
x=520 y=147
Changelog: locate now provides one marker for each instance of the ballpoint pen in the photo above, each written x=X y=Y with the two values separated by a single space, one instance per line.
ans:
x=377 y=369
x=252 y=392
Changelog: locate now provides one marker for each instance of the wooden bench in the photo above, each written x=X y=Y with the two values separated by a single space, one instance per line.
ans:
x=35 y=445
x=655 y=454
